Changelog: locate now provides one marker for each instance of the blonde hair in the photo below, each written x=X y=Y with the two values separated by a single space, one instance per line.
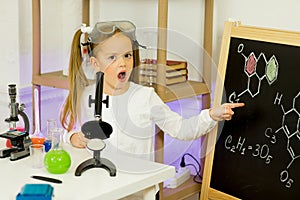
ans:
x=71 y=111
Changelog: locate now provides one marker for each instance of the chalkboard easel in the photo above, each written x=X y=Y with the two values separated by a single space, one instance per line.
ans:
x=256 y=155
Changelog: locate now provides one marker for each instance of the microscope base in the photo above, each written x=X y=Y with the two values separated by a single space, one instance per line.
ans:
x=94 y=163
x=14 y=153
x=6 y=152
x=18 y=155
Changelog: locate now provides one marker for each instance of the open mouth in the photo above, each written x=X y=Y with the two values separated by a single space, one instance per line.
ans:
x=122 y=76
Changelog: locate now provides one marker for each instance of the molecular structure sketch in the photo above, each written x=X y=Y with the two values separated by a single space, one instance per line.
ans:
x=290 y=126
x=250 y=69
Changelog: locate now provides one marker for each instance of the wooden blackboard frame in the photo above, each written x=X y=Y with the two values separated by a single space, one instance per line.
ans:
x=236 y=30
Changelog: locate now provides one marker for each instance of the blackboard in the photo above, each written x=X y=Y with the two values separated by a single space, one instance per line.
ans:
x=257 y=153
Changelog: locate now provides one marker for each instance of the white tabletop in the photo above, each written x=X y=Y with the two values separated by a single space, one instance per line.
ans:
x=132 y=175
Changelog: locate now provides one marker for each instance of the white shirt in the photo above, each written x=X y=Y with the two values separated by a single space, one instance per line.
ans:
x=133 y=115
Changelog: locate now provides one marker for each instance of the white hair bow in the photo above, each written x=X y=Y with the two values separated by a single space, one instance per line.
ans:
x=85 y=29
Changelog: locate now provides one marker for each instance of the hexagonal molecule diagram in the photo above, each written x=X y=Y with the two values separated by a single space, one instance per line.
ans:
x=290 y=126
x=255 y=77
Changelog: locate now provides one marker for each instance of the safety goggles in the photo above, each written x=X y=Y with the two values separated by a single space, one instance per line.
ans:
x=109 y=28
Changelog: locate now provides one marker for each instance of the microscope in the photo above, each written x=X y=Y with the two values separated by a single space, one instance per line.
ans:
x=97 y=130
x=20 y=140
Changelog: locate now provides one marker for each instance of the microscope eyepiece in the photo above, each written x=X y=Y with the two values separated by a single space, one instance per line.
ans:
x=12 y=89
x=14 y=106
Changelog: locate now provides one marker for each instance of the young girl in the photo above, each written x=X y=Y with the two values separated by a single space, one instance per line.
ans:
x=133 y=109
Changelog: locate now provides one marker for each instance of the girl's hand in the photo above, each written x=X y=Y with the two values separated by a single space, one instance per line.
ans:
x=79 y=140
x=224 y=112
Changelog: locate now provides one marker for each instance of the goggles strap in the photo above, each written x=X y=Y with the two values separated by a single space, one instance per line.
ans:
x=138 y=44
x=85 y=30
x=87 y=44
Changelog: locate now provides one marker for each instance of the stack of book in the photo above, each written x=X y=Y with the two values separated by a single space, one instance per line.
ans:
x=176 y=72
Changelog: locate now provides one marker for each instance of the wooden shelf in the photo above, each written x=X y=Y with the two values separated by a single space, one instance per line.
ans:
x=184 y=90
x=187 y=189
x=51 y=79
x=172 y=93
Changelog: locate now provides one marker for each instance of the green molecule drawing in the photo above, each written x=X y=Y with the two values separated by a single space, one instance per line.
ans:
x=254 y=78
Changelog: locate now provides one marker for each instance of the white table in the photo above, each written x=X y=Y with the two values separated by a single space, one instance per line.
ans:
x=132 y=175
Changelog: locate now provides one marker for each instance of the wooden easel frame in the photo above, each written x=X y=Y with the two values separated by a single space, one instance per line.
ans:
x=235 y=29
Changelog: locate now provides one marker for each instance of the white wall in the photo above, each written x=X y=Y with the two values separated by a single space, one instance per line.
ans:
x=9 y=34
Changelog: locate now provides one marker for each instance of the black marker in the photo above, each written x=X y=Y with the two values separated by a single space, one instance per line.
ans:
x=43 y=178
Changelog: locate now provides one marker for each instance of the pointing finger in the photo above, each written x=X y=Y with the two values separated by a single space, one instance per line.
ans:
x=236 y=105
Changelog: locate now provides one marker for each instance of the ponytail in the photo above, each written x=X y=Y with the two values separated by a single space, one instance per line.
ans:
x=77 y=81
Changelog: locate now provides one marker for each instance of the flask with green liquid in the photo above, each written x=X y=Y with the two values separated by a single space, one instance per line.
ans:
x=57 y=160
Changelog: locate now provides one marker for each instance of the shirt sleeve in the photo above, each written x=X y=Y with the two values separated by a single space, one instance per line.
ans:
x=67 y=135
x=177 y=126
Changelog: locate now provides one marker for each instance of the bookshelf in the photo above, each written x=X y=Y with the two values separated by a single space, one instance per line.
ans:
x=167 y=93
